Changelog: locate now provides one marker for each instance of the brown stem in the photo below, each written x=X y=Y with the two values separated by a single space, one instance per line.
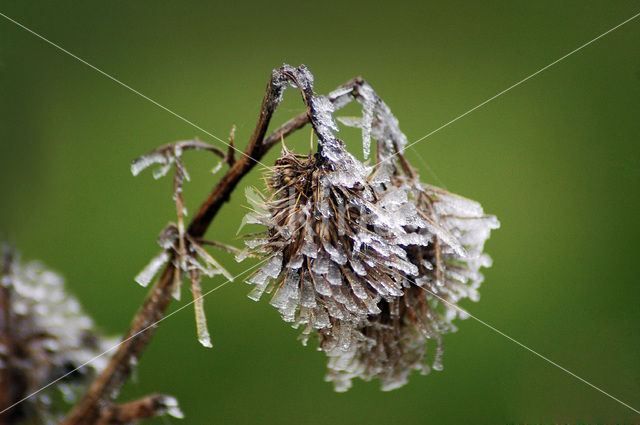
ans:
x=134 y=411
x=107 y=384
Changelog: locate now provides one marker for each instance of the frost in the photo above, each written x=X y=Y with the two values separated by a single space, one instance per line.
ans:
x=201 y=321
x=310 y=249
x=321 y=265
x=334 y=276
x=286 y=292
x=358 y=290
x=257 y=292
x=322 y=286
x=296 y=263
x=336 y=254
x=217 y=168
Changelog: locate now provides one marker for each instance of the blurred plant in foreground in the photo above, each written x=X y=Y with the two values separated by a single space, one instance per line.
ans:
x=47 y=345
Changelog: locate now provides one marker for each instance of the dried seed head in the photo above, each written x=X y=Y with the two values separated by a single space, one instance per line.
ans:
x=332 y=249
x=371 y=259
x=44 y=335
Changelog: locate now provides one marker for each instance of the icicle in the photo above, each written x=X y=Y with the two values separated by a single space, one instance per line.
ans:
x=198 y=303
x=147 y=274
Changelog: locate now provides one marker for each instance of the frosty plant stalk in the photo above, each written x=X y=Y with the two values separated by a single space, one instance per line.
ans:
x=363 y=257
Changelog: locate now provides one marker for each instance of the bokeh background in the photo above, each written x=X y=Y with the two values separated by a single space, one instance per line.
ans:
x=557 y=159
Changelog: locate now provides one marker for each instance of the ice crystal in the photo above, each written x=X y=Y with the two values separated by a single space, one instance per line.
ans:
x=44 y=336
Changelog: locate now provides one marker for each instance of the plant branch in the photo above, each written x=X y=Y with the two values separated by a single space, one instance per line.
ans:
x=134 y=411
x=105 y=387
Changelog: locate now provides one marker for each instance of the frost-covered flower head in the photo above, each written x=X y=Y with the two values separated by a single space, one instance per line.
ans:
x=385 y=256
x=44 y=336
x=332 y=251
x=332 y=243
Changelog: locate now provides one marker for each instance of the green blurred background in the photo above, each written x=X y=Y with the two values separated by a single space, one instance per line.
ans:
x=557 y=159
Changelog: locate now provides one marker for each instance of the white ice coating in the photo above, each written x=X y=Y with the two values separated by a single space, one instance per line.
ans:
x=201 y=323
x=273 y=266
x=139 y=164
x=146 y=275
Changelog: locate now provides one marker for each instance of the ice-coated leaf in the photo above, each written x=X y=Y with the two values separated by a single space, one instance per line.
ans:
x=213 y=266
x=334 y=276
x=145 y=161
x=286 y=291
x=367 y=119
x=146 y=275
x=198 y=303
x=322 y=286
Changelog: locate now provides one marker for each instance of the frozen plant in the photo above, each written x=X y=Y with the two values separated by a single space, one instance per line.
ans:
x=366 y=259
x=186 y=253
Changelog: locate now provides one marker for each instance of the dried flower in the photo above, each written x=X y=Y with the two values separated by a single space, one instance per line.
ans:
x=333 y=244
x=399 y=253
x=44 y=335
x=332 y=250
